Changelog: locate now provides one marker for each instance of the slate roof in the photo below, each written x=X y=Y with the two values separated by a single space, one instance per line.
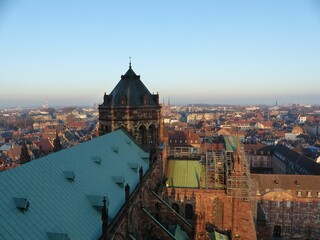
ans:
x=133 y=89
x=299 y=162
x=63 y=189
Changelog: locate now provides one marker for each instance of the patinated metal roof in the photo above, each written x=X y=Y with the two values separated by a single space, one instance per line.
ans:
x=185 y=174
x=58 y=195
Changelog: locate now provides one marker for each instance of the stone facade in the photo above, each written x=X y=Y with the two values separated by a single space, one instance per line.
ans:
x=146 y=215
x=205 y=207
x=259 y=158
x=131 y=106
x=288 y=206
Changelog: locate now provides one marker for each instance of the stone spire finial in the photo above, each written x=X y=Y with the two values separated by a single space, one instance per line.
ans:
x=104 y=219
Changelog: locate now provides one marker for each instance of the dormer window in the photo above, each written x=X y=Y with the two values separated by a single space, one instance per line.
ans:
x=123 y=100
x=145 y=100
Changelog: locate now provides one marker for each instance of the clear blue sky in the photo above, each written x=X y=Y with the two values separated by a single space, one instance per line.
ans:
x=72 y=51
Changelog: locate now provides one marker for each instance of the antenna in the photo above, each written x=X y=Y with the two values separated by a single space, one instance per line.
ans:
x=129 y=62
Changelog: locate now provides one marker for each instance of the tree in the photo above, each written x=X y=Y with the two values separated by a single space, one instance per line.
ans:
x=24 y=156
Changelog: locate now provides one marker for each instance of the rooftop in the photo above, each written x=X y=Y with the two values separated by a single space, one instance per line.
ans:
x=54 y=194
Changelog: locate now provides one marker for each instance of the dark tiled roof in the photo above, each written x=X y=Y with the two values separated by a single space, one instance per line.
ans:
x=298 y=161
x=133 y=90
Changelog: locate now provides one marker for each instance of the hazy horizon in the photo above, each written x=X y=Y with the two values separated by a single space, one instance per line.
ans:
x=71 y=52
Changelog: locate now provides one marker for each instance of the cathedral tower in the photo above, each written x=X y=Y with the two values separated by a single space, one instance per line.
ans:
x=130 y=105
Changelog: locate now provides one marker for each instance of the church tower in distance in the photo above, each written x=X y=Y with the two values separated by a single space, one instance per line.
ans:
x=131 y=106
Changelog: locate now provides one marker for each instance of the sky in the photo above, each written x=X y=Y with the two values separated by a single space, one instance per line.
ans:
x=69 y=53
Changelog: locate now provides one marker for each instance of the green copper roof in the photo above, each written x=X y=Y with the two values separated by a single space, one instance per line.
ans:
x=60 y=195
x=231 y=143
x=185 y=173
x=218 y=236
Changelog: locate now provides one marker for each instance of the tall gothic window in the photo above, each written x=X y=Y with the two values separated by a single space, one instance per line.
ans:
x=175 y=207
x=189 y=211
x=151 y=135
x=142 y=138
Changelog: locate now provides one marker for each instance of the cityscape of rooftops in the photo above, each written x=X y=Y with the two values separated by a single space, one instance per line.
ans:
x=160 y=119
x=68 y=53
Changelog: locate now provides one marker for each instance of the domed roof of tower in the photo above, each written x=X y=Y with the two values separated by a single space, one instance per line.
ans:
x=130 y=91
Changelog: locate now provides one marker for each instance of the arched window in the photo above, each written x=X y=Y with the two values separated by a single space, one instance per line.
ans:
x=277 y=231
x=151 y=135
x=175 y=207
x=103 y=129
x=189 y=211
x=142 y=138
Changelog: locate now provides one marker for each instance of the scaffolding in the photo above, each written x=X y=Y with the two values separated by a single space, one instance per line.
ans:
x=229 y=170
x=179 y=152
x=238 y=174
x=215 y=170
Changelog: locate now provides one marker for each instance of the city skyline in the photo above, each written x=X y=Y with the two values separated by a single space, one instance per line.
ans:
x=70 y=53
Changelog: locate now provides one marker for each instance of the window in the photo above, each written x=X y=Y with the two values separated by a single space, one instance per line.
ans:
x=299 y=193
x=298 y=216
x=298 y=204
x=318 y=204
x=277 y=231
x=185 y=141
x=318 y=194
x=288 y=216
x=277 y=203
x=288 y=204
x=287 y=229
x=297 y=230
x=191 y=141
x=123 y=100
x=318 y=231
x=266 y=203
x=307 y=231
x=145 y=99
x=309 y=205
x=318 y=216
x=189 y=211
x=277 y=216
x=309 y=194
x=175 y=207
x=307 y=216
x=180 y=141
